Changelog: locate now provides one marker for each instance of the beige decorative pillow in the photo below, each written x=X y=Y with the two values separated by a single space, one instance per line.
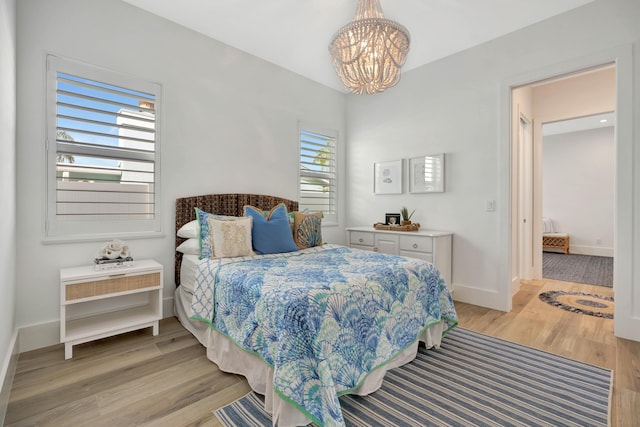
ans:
x=230 y=238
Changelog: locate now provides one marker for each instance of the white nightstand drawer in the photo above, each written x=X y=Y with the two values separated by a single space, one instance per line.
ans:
x=416 y=243
x=361 y=238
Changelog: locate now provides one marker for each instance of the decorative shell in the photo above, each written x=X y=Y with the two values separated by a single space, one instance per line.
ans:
x=114 y=249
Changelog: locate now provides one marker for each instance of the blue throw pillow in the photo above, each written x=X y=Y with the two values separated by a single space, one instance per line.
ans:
x=271 y=234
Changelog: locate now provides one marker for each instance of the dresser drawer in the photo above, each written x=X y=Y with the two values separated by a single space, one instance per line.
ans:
x=416 y=243
x=111 y=286
x=363 y=247
x=361 y=238
x=426 y=256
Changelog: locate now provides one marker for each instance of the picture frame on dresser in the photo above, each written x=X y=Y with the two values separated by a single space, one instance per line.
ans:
x=426 y=174
x=392 y=219
x=387 y=177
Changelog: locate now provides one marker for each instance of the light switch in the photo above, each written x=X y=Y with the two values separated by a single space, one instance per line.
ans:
x=491 y=205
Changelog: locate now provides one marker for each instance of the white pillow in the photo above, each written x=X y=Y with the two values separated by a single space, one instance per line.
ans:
x=189 y=247
x=190 y=230
x=230 y=238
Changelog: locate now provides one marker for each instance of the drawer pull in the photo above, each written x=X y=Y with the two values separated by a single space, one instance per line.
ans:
x=415 y=246
x=361 y=240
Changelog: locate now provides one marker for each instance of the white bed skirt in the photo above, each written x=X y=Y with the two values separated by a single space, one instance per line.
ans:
x=230 y=358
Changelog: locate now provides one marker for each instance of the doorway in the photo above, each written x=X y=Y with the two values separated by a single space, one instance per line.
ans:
x=583 y=93
x=516 y=93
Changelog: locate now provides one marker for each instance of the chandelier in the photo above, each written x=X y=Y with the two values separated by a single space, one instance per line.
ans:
x=369 y=52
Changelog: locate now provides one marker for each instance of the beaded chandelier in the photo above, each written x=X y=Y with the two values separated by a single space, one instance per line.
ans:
x=369 y=52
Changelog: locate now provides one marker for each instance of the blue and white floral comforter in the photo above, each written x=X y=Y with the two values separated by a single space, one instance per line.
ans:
x=323 y=317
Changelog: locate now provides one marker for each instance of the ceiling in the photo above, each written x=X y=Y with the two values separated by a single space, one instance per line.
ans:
x=579 y=124
x=295 y=34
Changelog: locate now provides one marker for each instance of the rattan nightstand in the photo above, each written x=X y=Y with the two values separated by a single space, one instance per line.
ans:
x=98 y=304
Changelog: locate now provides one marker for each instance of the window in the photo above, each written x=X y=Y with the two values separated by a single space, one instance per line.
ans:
x=317 y=180
x=102 y=152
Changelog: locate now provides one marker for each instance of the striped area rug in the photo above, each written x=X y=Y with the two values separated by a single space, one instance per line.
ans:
x=471 y=380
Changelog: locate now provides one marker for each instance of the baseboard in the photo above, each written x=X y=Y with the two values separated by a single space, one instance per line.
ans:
x=167 y=307
x=628 y=329
x=515 y=285
x=591 y=250
x=476 y=296
x=45 y=334
x=6 y=375
x=40 y=335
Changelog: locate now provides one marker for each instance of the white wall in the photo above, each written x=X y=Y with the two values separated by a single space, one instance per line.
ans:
x=7 y=194
x=456 y=106
x=578 y=188
x=229 y=124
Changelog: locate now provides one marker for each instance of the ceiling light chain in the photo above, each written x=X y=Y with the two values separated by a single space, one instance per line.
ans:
x=368 y=52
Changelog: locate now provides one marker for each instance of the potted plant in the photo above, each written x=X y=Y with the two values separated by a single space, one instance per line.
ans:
x=406 y=216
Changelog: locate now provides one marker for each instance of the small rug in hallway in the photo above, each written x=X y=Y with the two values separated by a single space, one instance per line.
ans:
x=471 y=380
x=589 y=269
x=579 y=302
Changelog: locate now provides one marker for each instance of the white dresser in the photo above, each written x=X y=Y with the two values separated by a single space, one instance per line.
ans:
x=429 y=245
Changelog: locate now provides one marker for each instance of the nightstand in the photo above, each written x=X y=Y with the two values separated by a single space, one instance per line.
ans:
x=99 y=304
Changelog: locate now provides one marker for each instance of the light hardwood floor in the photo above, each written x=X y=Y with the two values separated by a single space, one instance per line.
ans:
x=137 y=379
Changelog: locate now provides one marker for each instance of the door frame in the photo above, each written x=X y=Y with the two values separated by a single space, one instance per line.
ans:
x=526 y=178
x=626 y=322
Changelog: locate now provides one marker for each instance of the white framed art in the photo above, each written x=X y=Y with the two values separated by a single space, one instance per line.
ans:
x=426 y=174
x=387 y=177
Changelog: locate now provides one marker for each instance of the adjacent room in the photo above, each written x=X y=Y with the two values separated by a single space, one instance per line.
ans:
x=578 y=198
x=215 y=215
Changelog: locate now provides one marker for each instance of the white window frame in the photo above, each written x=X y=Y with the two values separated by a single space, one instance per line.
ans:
x=57 y=229
x=329 y=218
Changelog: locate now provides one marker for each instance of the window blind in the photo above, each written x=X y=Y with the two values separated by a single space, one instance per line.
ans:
x=317 y=189
x=105 y=150
x=102 y=151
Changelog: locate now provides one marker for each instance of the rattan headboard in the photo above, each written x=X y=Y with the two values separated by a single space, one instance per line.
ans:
x=221 y=204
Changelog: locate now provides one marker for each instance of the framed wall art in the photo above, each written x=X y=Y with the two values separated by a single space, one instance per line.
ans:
x=426 y=174
x=387 y=177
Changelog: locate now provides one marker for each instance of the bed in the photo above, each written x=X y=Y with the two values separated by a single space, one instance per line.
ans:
x=309 y=325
